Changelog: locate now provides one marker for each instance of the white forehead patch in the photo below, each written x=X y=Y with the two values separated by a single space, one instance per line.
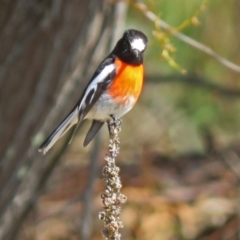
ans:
x=138 y=44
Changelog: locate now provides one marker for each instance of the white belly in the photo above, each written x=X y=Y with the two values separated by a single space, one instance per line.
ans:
x=105 y=106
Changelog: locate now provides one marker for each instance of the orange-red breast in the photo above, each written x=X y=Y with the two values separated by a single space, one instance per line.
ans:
x=113 y=89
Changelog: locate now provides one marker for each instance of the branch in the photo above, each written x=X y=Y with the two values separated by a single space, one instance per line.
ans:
x=152 y=17
x=194 y=80
x=62 y=210
x=85 y=230
x=112 y=198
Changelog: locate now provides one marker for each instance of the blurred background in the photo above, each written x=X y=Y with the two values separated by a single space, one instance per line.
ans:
x=179 y=158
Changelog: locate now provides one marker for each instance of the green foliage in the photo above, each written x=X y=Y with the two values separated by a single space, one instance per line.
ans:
x=216 y=26
x=203 y=111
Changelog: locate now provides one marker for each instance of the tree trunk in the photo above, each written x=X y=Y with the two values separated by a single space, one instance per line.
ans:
x=48 y=49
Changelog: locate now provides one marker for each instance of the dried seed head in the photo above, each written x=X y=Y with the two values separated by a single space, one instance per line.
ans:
x=102 y=215
x=105 y=233
x=122 y=198
x=108 y=201
x=112 y=227
x=112 y=198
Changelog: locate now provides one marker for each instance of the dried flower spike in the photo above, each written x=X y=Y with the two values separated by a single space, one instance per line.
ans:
x=112 y=198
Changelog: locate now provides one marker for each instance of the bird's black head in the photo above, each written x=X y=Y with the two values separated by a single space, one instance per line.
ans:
x=131 y=46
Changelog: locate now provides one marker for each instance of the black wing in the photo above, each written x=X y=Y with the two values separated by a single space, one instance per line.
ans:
x=99 y=82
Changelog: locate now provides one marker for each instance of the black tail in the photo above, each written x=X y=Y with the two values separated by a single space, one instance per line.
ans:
x=95 y=127
x=64 y=126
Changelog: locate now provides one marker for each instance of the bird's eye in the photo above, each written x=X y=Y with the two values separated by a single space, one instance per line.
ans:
x=126 y=45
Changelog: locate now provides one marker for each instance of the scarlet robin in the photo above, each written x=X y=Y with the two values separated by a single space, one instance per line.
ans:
x=113 y=89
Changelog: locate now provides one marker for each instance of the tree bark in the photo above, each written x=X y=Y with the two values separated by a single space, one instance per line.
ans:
x=48 y=49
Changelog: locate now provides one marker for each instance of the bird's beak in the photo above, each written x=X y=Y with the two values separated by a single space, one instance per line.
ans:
x=136 y=52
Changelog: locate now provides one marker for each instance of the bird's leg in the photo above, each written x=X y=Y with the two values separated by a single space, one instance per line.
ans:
x=109 y=124
x=114 y=125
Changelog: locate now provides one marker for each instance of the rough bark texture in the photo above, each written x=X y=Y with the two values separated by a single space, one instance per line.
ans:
x=48 y=49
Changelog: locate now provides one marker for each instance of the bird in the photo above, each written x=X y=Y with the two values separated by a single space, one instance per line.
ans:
x=113 y=89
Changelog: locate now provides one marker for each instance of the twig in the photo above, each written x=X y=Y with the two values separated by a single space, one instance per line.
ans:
x=85 y=229
x=112 y=198
x=151 y=16
x=62 y=210
x=194 y=79
x=231 y=160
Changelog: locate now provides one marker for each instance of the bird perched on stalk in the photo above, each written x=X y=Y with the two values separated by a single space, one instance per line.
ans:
x=113 y=89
